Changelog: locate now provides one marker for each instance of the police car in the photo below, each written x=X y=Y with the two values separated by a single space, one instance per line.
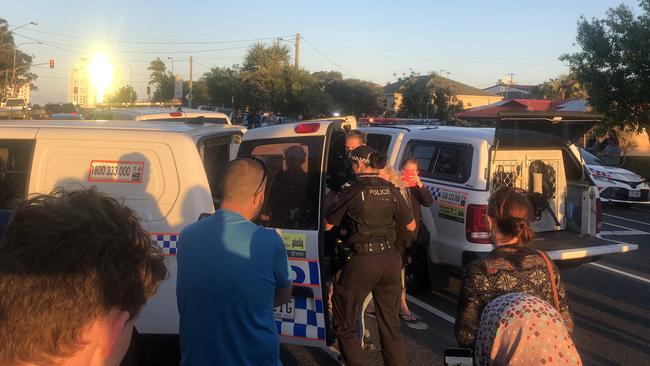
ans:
x=167 y=172
x=616 y=185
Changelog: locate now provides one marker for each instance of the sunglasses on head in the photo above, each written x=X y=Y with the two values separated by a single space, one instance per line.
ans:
x=263 y=164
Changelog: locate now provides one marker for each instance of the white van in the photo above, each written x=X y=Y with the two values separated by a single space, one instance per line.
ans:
x=463 y=166
x=187 y=115
x=167 y=172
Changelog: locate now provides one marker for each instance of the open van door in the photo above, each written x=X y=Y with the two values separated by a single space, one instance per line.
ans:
x=302 y=161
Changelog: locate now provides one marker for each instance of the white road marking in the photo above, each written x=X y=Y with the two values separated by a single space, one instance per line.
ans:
x=624 y=227
x=626 y=219
x=431 y=309
x=623 y=232
x=623 y=273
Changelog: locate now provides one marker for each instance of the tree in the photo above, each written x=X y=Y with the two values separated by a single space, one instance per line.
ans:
x=223 y=86
x=327 y=76
x=199 y=93
x=162 y=80
x=263 y=77
x=564 y=86
x=23 y=63
x=353 y=96
x=305 y=94
x=614 y=65
x=425 y=96
x=125 y=94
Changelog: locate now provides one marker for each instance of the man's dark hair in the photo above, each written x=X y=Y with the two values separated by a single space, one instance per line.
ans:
x=68 y=258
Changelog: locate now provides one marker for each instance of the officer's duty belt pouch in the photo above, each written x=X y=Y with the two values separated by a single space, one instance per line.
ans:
x=373 y=248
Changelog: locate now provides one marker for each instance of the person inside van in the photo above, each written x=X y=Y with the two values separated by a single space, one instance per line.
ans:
x=76 y=267
x=354 y=139
x=510 y=267
x=518 y=329
x=290 y=191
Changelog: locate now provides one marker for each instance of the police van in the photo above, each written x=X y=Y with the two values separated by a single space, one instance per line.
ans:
x=167 y=172
x=161 y=114
x=460 y=166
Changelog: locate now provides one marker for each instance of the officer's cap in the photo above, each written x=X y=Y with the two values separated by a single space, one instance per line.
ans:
x=362 y=154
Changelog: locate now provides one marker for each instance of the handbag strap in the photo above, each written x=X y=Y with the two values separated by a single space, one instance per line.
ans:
x=551 y=273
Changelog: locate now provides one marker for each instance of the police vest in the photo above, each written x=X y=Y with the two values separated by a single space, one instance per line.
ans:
x=376 y=216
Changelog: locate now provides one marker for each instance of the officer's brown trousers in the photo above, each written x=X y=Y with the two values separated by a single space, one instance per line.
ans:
x=381 y=274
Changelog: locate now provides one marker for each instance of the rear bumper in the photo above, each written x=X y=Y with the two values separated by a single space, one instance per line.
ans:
x=565 y=245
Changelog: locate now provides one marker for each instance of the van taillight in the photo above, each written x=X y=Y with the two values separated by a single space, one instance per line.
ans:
x=307 y=128
x=476 y=230
x=599 y=215
x=176 y=114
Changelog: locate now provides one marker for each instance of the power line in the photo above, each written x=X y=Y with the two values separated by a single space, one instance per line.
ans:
x=325 y=57
x=156 y=43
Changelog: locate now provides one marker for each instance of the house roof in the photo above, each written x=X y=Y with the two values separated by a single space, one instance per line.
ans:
x=527 y=88
x=492 y=110
x=457 y=87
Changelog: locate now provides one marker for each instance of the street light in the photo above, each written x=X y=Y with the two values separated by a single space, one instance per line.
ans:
x=130 y=82
x=16 y=28
x=172 y=60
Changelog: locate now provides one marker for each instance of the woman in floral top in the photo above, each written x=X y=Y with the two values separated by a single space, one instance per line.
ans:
x=510 y=267
x=521 y=330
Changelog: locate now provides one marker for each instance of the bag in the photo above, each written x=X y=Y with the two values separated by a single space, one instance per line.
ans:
x=551 y=274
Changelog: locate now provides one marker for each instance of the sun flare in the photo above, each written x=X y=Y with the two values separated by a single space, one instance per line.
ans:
x=101 y=75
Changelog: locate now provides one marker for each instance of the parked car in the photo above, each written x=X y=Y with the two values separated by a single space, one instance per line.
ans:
x=62 y=111
x=15 y=108
x=616 y=185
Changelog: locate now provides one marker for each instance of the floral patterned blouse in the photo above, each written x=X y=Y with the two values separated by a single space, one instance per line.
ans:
x=521 y=330
x=507 y=269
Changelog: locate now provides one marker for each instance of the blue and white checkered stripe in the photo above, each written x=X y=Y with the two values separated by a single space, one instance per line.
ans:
x=435 y=191
x=308 y=321
x=167 y=242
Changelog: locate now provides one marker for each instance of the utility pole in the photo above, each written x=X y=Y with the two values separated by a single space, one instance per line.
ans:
x=296 y=57
x=512 y=75
x=190 y=95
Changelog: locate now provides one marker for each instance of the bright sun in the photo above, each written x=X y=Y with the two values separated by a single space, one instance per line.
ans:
x=101 y=74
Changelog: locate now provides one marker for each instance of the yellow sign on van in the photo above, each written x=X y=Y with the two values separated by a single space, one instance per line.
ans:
x=295 y=244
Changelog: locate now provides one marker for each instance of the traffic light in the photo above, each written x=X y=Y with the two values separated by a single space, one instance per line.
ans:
x=51 y=63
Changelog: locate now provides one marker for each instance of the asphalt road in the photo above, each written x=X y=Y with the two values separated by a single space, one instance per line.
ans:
x=609 y=299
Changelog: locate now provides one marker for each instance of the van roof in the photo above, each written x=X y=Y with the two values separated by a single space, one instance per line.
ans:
x=157 y=126
x=159 y=112
x=446 y=133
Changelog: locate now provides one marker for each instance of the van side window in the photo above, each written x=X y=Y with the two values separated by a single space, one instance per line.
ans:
x=293 y=180
x=216 y=154
x=379 y=142
x=442 y=161
x=15 y=163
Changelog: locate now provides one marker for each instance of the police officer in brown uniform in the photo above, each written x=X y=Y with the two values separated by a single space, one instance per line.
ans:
x=369 y=208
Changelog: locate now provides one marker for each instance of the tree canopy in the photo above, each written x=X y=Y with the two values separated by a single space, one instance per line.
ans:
x=614 y=65
x=425 y=97
x=125 y=94
x=564 y=86
x=162 y=80
x=23 y=62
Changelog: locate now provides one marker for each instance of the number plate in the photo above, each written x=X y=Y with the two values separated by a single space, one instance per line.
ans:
x=116 y=171
x=634 y=194
x=284 y=311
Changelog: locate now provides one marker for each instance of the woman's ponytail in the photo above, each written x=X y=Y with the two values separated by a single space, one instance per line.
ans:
x=516 y=227
x=512 y=213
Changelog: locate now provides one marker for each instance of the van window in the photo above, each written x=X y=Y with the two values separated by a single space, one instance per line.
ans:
x=216 y=154
x=379 y=142
x=442 y=161
x=294 y=176
x=15 y=162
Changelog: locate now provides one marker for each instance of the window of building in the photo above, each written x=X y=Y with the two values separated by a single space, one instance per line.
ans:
x=294 y=176
x=442 y=161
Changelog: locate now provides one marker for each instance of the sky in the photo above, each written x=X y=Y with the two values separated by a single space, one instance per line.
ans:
x=474 y=42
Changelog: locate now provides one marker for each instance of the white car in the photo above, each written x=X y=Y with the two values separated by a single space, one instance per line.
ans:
x=615 y=184
x=162 y=115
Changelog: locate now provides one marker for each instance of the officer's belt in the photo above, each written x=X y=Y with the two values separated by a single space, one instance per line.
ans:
x=373 y=248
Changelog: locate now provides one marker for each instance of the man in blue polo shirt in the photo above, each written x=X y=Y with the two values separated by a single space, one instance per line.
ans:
x=231 y=273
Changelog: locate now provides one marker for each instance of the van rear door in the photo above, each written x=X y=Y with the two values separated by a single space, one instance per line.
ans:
x=216 y=150
x=300 y=159
x=539 y=130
